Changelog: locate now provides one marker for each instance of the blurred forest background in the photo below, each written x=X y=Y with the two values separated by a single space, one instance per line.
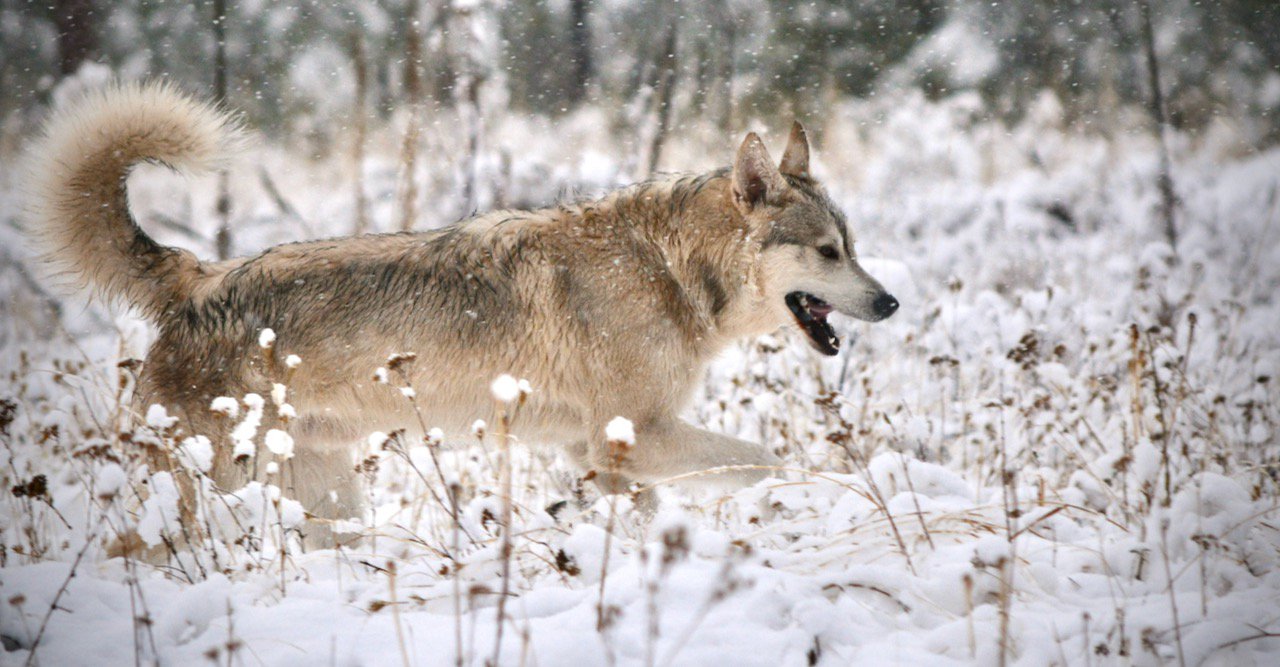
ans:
x=295 y=67
x=431 y=110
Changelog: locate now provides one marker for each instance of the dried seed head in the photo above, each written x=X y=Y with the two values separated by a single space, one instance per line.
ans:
x=399 y=360
x=620 y=431
x=225 y=406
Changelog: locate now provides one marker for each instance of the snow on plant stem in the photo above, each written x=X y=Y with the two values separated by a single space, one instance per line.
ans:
x=620 y=429
x=247 y=429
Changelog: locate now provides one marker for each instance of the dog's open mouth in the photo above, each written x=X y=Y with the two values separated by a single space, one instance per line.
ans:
x=811 y=314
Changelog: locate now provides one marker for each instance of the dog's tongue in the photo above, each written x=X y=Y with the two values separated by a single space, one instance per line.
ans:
x=820 y=310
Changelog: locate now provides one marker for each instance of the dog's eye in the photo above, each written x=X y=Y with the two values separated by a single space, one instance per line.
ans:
x=829 y=252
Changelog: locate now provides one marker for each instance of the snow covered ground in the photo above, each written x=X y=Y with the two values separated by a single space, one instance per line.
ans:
x=1062 y=450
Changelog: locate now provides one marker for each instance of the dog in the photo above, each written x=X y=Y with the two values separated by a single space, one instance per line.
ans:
x=610 y=307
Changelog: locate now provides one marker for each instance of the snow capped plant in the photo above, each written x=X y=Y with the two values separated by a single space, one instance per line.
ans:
x=267 y=339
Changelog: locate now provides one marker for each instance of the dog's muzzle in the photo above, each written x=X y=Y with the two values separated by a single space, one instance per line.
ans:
x=811 y=314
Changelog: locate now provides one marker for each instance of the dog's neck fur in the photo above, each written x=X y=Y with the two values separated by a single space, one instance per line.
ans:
x=707 y=243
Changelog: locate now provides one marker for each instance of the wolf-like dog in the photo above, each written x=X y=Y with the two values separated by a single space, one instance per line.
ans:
x=611 y=307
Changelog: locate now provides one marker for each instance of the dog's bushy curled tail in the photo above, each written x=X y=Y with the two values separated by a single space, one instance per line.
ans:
x=77 y=206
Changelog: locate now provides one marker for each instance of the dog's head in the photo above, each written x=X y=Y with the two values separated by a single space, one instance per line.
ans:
x=807 y=261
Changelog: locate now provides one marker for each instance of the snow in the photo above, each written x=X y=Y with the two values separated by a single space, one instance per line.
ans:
x=160 y=511
x=266 y=339
x=158 y=418
x=505 y=389
x=999 y=444
x=110 y=480
x=225 y=405
x=279 y=443
x=197 y=452
x=278 y=393
x=620 y=429
x=244 y=432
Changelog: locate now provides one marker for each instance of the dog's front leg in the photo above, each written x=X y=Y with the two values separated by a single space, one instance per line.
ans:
x=671 y=448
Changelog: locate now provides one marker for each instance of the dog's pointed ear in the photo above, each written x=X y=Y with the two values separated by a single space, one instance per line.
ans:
x=795 y=160
x=754 y=176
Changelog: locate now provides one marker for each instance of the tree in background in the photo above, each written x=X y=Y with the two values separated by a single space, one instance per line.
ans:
x=739 y=61
x=76 y=22
x=580 y=47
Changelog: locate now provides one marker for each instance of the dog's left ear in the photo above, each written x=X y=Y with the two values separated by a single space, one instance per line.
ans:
x=795 y=160
x=754 y=176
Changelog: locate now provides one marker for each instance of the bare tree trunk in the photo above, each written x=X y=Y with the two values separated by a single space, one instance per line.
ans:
x=1168 y=198
x=77 y=40
x=580 y=46
x=502 y=184
x=666 y=67
x=359 y=123
x=727 y=50
x=444 y=72
x=413 y=93
x=470 y=111
x=222 y=239
x=702 y=75
x=465 y=52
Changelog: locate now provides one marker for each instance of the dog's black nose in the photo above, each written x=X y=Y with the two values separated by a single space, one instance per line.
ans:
x=885 y=305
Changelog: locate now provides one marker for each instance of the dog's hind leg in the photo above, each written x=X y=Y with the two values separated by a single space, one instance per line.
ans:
x=609 y=478
x=322 y=477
